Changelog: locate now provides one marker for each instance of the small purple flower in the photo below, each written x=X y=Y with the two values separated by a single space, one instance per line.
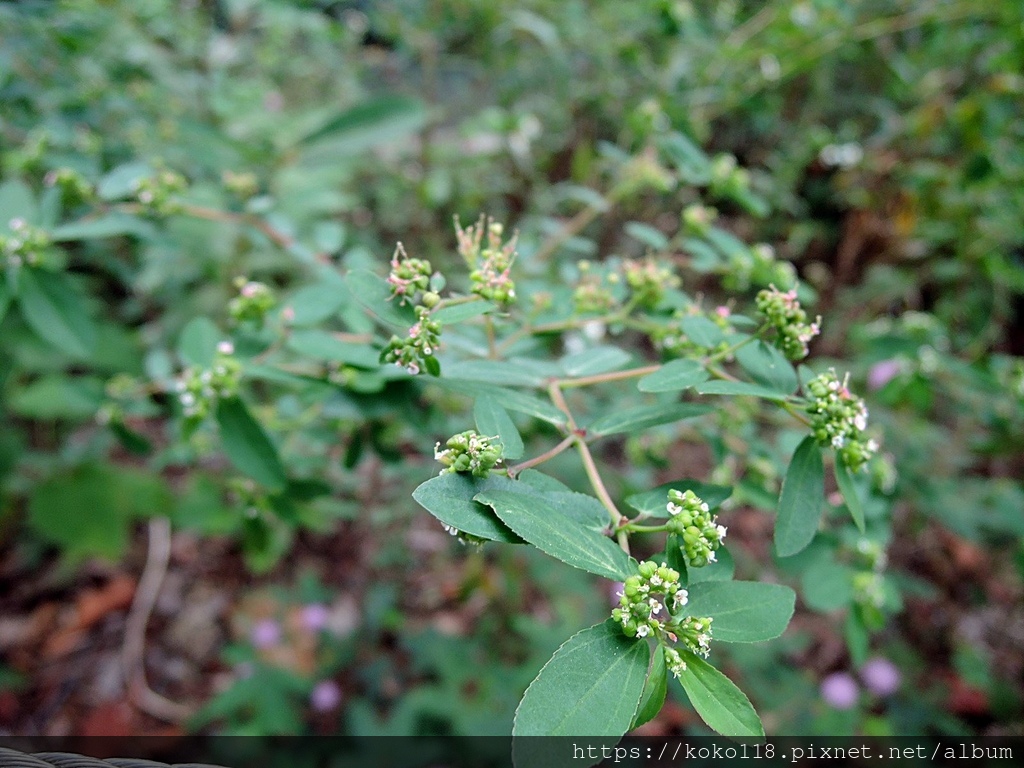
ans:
x=266 y=633
x=880 y=676
x=839 y=690
x=315 y=616
x=326 y=696
x=882 y=373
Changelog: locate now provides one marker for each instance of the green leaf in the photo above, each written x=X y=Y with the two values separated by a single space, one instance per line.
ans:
x=88 y=511
x=744 y=388
x=17 y=202
x=590 y=687
x=674 y=376
x=650 y=236
x=248 y=446
x=493 y=420
x=507 y=373
x=313 y=304
x=702 y=331
x=198 y=342
x=58 y=397
x=693 y=165
x=826 y=585
x=121 y=181
x=449 y=498
x=111 y=225
x=720 y=704
x=537 y=479
x=521 y=402
x=802 y=499
x=645 y=416
x=655 y=689
x=593 y=361
x=768 y=366
x=55 y=312
x=382 y=119
x=743 y=611
x=5 y=298
x=540 y=523
x=321 y=345
x=723 y=569
x=848 y=487
x=458 y=313
x=652 y=503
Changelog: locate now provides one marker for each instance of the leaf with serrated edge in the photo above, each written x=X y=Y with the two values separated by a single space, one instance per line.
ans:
x=847 y=487
x=591 y=686
x=674 y=376
x=449 y=498
x=537 y=521
x=720 y=704
x=802 y=499
x=743 y=611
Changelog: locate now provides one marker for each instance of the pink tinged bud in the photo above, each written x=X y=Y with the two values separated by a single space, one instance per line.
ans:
x=880 y=676
x=266 y=633
x=288 y=313
x=314 y=617
x=722 y=311
x=882 y=373
x=840 y=690
x=326 y=696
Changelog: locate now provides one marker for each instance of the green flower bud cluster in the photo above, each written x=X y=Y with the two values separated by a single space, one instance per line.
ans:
x=727 y=178
x=413 y=352
x=644 y=172
x=469 y=452
x=71 y=183
x=159 y=193
x=242 y=184
x=199 y=390
x=697 y=218
x=490 y=263
x=839 y=418
x=648 y=281
x=592 y=294
x=644 y=597
x=408 y=275
x=783 y=311
x=697 y=528
x=252 y=303
x=759 y=266
x=25 y=245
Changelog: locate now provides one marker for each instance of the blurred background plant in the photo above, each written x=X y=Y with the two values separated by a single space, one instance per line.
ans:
x=179 y=174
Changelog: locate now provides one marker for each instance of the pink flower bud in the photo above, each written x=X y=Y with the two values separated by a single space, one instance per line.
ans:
x=840 y=690
x=882 y=373
x=880 y=676
x=266 y=633
x=314 y=617
x=326 y=696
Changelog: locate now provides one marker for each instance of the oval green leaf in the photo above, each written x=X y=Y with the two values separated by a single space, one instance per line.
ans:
x=848 y=487
x=562 y=537
x=743 y=611
x=655 y=689
x=493 y=420
x=802 y=499
x=55 y=312
x=248 y=446
x=674 y=376
x=768 y=366
x=590 y=687
x=449 y=498
x=739 y=388
x=720 y=704
x=646 y=416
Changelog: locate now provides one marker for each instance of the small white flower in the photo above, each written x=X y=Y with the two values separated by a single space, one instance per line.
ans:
x=643 y=630
x=838 y=441
x=721 y=532
x=226 y=348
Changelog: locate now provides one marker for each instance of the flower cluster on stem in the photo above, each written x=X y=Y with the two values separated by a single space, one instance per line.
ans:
x=415 y=350
x=784 y=313
x=646 y=605
x=490 y=263
x=25 y=245
x=159 y=193
x=408 y=275
x=839 y=418
x=200 y=389
x=252 y=303
x=469 y=452
x=648 y=281
x=697 y=528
